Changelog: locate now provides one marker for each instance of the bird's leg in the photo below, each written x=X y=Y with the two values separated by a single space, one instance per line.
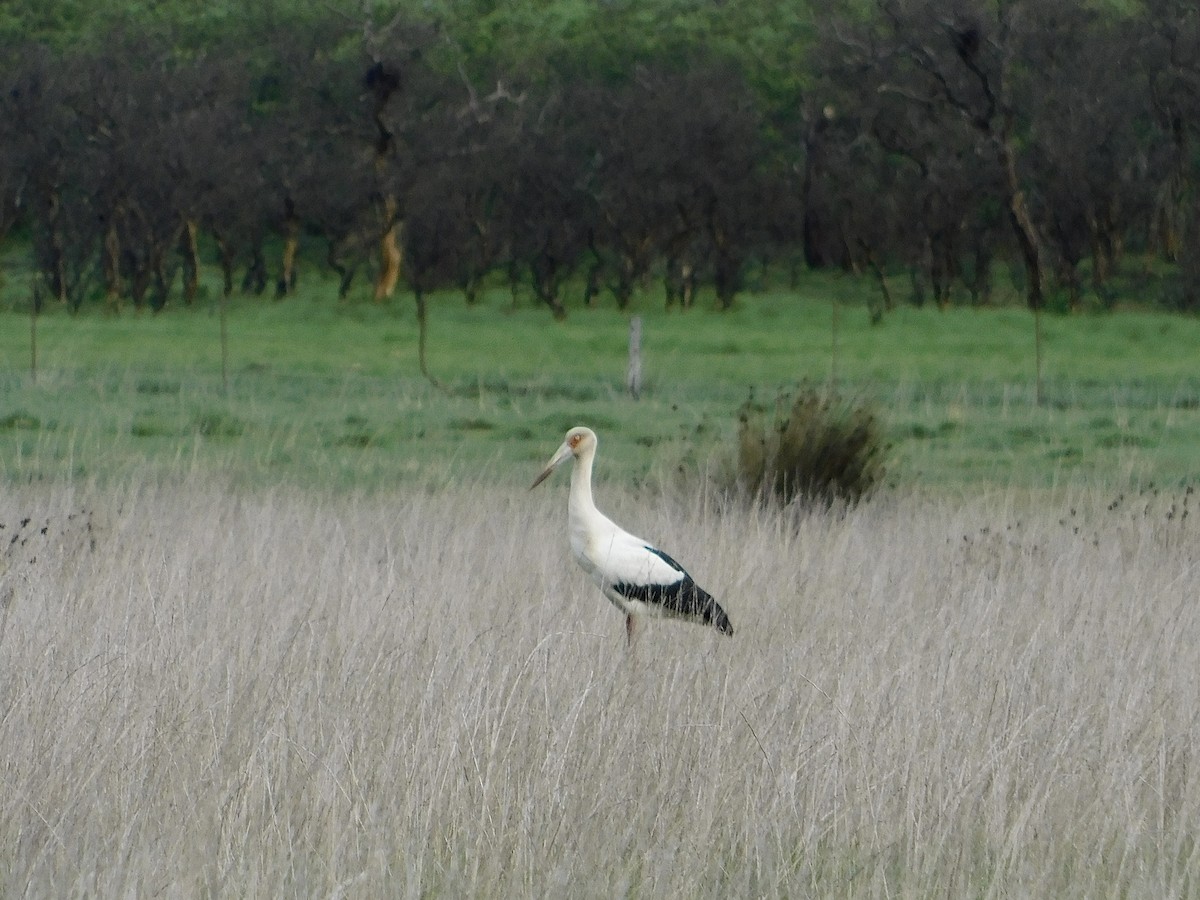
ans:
x=630 y=628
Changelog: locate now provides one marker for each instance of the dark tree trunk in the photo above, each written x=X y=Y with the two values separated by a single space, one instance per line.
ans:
x=286 y=283
x=58 y=256
x=885 y=292
x=545 y=277
x=470 y=286
x=112 y=268
x=726 y=280
x=680 y=283
x=139 y=282
x=671 y=283
x=345 y=269
x=227 y=254
x=391 y=255
x=1028 y=240
x=255 y=279
x=591 y=286
x=980 y=284
x=161 y=280
x=626 y=280
x=189 y=249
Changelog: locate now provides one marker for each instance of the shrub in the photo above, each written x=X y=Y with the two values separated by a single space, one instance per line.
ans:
x=819 y=448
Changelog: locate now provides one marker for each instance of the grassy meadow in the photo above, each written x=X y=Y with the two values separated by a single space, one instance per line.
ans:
x=330 y=395
x=312 y=637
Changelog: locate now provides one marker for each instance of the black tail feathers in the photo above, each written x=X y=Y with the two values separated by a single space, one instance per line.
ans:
x=715 y=616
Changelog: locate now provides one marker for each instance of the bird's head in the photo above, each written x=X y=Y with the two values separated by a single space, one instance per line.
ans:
x=580 y=441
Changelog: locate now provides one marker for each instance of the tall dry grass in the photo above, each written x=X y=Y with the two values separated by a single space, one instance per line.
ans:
x=281 y=694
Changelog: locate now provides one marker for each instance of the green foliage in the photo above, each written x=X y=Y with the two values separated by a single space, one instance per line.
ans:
x=282 y=83
x=187 y=25
x=544 y=41
x=819 y=448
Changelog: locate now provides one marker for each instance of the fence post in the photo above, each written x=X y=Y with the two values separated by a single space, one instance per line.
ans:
x=634 y=379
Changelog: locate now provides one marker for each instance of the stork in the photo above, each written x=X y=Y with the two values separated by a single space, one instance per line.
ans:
x=635 y=575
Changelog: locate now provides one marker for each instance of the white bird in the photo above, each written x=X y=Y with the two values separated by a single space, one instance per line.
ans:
x=634 y=574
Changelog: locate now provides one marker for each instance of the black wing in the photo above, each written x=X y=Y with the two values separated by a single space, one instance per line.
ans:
x=682 y=597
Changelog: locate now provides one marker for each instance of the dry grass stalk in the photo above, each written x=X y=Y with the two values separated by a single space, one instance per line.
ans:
x=278 y=694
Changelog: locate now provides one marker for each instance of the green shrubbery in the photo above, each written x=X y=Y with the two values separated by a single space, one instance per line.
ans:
x=816 y=448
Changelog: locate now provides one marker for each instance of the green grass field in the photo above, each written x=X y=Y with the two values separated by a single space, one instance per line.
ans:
x=328 y=394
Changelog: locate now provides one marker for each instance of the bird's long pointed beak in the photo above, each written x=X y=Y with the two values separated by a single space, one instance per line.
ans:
x=561 y=456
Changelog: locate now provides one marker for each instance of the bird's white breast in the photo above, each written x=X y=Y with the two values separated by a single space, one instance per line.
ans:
x=612 y=555
x=591 y=543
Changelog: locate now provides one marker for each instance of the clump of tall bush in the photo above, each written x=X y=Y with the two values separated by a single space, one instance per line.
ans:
x=814 y=448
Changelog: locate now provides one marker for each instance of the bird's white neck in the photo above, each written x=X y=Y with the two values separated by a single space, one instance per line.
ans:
x=580 y=505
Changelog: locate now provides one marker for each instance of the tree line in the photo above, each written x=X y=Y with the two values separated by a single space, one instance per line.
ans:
x=443 y=145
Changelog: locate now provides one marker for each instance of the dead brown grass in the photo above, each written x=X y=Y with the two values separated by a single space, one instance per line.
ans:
x=278 y=694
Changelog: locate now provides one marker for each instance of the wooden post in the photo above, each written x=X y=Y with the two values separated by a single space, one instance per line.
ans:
x=634 y=379
x=1038 y=397
x=833 y=350
x=35 y=306
x=223 y=321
